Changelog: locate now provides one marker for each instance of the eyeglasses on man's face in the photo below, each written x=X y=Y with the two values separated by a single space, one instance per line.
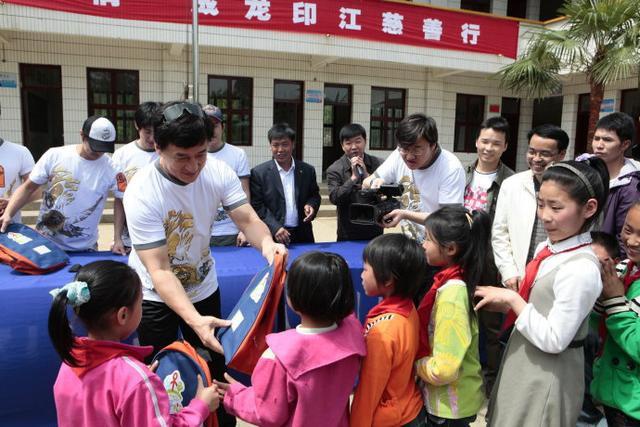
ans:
x=175 y=111
x=414 y=150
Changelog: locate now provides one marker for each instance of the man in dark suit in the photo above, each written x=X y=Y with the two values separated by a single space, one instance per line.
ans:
x=284 y=192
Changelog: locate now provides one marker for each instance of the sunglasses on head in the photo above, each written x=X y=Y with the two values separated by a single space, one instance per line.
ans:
x=176 y=111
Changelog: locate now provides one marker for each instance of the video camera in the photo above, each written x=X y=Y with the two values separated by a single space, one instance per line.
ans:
x=371 y=205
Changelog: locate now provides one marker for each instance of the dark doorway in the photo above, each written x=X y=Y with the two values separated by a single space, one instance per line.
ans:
x=582 y=125
x=288 y=107
x=336 y=114
x=630 y=104
x=517 y=8
x=547 y=111
x=511 y=111
x=41 y=99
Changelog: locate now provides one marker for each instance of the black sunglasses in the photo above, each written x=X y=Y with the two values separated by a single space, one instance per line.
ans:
x=176 y=111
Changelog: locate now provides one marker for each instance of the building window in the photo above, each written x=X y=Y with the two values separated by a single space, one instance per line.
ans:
x=517 y=8
x=550 y=9
x=114 y=94
x=387 y=110
x=234 y=96
x=288 y=107
x=476 y=5
x=469 y=117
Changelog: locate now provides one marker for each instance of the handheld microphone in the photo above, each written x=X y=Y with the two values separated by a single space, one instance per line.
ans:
x=359 y=171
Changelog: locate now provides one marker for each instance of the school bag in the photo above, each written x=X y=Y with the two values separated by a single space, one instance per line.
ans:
x=27 y=251
x=253 y=318
x=179 y=365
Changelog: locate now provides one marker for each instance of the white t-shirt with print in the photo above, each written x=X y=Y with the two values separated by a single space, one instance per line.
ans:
x=475 y=195
x=162 y=211
x=74 y=197
x=236 y=159
x=16 y=161
x=127 y=160
x=426 y=190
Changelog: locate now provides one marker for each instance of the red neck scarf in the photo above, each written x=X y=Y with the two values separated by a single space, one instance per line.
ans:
x=392 y=304
x=627 y=280
x=530 y=273
x=426 y=306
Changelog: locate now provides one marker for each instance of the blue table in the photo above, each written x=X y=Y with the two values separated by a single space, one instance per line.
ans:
x=28 y=363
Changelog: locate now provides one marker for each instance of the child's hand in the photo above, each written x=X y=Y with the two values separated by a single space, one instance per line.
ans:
x=612 y=286
x=223 y=387
x=208 y=395
x=493 y=298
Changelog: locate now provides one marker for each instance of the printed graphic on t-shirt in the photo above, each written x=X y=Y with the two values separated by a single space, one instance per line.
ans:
x=475 y=198
x=410 y=200
x=2 y=184
x=178 y=226
x=221 y=215
x=61 y=193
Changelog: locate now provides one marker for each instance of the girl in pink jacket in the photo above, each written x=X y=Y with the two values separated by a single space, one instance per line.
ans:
x=103 y=382
x=306 y=375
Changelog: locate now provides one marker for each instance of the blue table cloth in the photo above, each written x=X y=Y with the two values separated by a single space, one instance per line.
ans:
x=28 y=363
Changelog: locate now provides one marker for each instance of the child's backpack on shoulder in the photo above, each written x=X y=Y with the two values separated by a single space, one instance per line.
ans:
x=179 y=365
x=253 y=318
x=27 y=251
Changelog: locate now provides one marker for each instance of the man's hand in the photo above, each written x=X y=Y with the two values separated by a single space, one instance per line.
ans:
x=205 y=326
x=355 y=162
x=309 y=211
x=612 y=286
x=372 y=182
x=269 y=250
x=3 y=204
x=241 y=240
x=393 y=218
x=512 y=283
x=5 y=220
x=118 y=247
x=283 y=236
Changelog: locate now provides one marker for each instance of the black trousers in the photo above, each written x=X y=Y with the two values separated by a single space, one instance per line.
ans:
x=160 y=325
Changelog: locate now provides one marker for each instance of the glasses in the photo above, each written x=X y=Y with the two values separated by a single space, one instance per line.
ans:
x=414 y=150
x=176 y=111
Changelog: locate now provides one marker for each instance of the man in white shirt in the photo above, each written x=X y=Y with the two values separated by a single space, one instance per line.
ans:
x=168 y=207
x=16 y=163
x=432 y=177
x=79 y=178
x=225 y=232
x=127 y=160
x=284 y=192
x=517 y=230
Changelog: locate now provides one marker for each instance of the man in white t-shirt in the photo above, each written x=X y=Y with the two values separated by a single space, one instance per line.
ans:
x=432 y=177
x=79 y=178
x=484 y=178
x=127 y=160
x=168 y=207
x=225 y=232
x=16 y=163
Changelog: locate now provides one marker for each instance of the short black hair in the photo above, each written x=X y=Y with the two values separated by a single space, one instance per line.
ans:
x=400 y=259
x=595 y=172
x=351 y=131
x=620 y=123
x=281 y=131
x=498 y=124
x=607 y=241
x=550 y=131
x=148 y=114
x=187 y=131
x=319 y=285
x=415 y=126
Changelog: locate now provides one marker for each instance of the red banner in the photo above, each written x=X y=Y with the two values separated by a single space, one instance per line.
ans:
x=363 y=19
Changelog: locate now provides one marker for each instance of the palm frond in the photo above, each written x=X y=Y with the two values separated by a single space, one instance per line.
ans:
x=617 y=64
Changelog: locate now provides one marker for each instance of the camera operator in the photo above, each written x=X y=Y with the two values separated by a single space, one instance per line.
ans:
x=344 y=179
x=432 y=177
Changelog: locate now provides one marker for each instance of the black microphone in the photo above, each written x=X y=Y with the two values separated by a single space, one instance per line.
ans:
x=360 y=171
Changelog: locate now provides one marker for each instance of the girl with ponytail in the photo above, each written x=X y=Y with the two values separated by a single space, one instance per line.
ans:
x=103 y=382
x=306 y=375
x=448 y=364
x=541 y=381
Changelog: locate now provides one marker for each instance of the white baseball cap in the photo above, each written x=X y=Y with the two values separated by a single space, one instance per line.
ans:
x=100 y=133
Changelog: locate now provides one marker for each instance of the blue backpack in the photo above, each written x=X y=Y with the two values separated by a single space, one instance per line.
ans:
x=27 y=251
x=179 y=365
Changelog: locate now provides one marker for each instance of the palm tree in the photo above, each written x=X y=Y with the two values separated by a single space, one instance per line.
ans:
x=599 y=38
